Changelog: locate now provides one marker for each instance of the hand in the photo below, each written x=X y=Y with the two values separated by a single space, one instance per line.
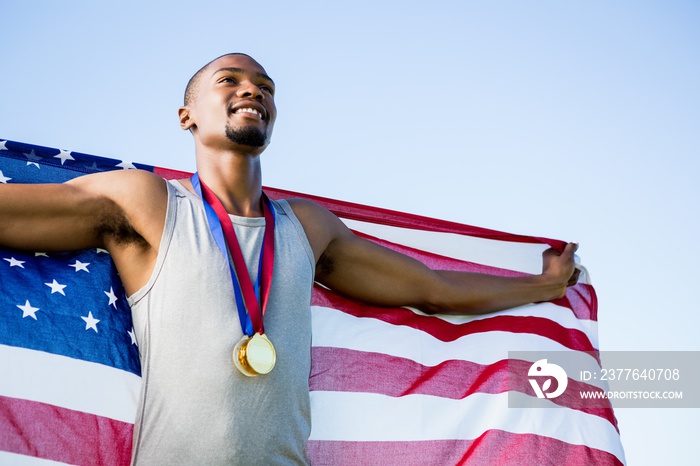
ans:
x=560 y=269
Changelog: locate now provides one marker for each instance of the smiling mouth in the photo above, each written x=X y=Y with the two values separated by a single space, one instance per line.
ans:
x=250 y=111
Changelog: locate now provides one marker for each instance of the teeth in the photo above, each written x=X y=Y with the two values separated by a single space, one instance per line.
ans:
x=249 y=110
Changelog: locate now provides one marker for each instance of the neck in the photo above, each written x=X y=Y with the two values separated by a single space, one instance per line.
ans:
x=235 y=178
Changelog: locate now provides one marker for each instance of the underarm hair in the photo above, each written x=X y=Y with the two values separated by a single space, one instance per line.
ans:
x=325 y=265
x=115 y=224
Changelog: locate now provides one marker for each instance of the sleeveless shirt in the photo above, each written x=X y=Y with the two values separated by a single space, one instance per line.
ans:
x=195 y=407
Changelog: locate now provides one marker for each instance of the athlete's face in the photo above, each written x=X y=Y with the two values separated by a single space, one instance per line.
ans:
x=234 y=104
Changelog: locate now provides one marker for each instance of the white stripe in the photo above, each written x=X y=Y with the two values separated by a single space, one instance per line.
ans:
x=14 y=459
x=549 y=311
x=333 y=328
x=523 y=257
x=68 y=383
x=370 y=417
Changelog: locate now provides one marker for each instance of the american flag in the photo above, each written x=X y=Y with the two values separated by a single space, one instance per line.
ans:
x=388 y=386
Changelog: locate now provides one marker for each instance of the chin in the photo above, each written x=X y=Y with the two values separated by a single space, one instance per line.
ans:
x=247 y=136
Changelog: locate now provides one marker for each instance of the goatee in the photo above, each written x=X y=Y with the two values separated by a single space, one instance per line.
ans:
x=246 y=136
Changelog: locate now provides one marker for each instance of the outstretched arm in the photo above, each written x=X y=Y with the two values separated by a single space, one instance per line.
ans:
x=120 y=211
x=365 y=271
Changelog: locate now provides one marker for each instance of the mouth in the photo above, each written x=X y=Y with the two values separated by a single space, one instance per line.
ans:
x=249 y=109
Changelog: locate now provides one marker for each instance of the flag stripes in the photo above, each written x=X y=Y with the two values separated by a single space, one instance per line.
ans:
x=569 y=338
x=74 y=437
x=74 y=383
x=388 y=386
x=358 y=417
x=494 y=447
x=396 y=386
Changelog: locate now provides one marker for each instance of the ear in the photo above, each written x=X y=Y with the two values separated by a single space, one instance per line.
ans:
x=186 y=122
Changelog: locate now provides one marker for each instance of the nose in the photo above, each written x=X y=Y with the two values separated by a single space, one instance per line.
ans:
x=249 y=90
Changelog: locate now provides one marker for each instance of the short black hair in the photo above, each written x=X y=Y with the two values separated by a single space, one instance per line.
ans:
x=193 y=83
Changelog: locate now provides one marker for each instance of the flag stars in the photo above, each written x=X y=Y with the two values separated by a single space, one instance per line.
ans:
x=112 y=297
x=32 y=159
x=126 y=165
x=14 y=262
x=4 y=179
x=90 y=322
x=78 y=266
x=28 y=310
x=63 y=156
x=132 y=335
x=56 y=287
x=3 y=145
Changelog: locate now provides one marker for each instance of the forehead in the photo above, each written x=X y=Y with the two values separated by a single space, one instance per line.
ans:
x=242 y=62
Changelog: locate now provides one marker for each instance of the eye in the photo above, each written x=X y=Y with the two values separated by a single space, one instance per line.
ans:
x=227 y=79
x=267 y=88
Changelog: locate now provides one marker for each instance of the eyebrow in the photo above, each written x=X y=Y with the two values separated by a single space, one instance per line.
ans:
x=242 y=71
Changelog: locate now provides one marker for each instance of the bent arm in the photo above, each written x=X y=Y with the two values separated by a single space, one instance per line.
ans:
x=368 y=272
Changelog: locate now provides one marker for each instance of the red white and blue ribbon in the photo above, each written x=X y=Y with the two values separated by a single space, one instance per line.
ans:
x=251 y=299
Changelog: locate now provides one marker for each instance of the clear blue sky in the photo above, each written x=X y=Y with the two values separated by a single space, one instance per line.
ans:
x=573 y=120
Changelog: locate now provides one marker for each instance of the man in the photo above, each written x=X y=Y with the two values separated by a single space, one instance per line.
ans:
x=189 y=295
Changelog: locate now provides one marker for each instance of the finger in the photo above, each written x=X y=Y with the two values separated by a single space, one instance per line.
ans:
x=574 y=277
x=571 y=248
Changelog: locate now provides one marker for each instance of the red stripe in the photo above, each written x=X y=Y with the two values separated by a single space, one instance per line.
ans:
x=494 y=447
x=170 y=174
x=582 y=299
x=446 y=331
x=345 y=370
x=381 y=216
x=49 y=432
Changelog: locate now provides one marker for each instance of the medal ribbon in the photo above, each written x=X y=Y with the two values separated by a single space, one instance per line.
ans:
x=250 y=302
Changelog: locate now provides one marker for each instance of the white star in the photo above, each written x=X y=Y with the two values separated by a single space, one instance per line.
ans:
x=132 y=334
x=3 y=146
x=90 y=322
x=3 y=178
x=126 y=165
x=32 y=159
x=80 y=266
x=28 y=310
x=56 y=287
x=112 y=297
x=100 y=250
x=15 y=263
x=37 y=254
x=64 y=155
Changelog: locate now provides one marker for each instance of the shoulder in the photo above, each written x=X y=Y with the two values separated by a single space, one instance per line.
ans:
x=320 y=225
x=122 y=185
x=131 y=201
x=137 y=193
x=314 y=216
x=307 y=209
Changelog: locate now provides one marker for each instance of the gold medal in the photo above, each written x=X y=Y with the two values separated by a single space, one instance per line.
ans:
x=254 y=355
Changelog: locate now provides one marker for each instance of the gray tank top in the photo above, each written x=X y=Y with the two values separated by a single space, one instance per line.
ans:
x=195 y=407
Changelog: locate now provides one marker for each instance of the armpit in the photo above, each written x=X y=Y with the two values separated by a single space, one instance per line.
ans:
x=114 y=223
x=324 y=266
